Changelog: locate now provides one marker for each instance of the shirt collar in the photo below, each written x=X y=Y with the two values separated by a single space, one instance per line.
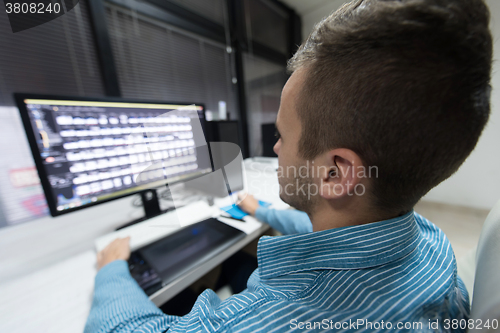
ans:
x=354 y=247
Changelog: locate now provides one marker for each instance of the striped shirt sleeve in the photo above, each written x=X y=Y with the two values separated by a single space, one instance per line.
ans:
x=119 y=304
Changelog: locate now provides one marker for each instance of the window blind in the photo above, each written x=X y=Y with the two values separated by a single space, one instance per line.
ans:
x=157 y=61
x=57 y=58
x=213 y=10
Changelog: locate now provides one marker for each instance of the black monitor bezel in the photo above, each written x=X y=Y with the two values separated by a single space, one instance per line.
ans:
x=30 y=133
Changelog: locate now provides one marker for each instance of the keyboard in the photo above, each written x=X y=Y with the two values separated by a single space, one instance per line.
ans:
x=161 y=262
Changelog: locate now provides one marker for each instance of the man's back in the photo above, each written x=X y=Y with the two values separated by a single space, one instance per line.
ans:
x=395 y=274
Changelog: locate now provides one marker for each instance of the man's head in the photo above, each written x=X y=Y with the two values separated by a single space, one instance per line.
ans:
x=403 y=85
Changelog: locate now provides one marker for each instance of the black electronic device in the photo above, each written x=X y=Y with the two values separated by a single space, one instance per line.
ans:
x=268 y=140
x=92 y=150
x=223 y=131
x=157 y=264
x=225 y=147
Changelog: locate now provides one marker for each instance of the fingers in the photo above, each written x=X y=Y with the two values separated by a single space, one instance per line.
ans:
x=118 y=249
x=242 y=196
x=126 y=248
x=119 y=242
x=249 y=204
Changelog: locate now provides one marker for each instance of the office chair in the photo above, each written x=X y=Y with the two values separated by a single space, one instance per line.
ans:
x=486 y=296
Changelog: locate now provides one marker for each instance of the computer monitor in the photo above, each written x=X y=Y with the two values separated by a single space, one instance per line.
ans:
x=223 y=131
x=268 y=140
x=225 y=146
x=92 y=150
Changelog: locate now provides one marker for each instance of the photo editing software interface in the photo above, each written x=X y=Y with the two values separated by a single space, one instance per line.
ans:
x=93 y=151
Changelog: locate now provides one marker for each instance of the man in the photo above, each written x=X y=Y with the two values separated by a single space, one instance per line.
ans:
x=386 y=100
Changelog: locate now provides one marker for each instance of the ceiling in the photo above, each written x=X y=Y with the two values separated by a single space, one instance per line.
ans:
x=312 y=11
x=304 y=7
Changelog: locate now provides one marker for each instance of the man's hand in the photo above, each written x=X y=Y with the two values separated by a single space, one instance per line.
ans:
x=249 y=204
x=119 y=249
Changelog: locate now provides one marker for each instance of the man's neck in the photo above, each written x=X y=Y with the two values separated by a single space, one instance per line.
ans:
x=328 y=216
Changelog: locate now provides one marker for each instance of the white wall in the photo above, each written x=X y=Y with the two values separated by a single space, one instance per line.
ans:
x=477 y=182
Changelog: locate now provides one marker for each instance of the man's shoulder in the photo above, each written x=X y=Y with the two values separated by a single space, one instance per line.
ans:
x=430 y=231
x=433 y=250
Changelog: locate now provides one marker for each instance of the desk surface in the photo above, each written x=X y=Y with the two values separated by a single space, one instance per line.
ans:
x=58 y=298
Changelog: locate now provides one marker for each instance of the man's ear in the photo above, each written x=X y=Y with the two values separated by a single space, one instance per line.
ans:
x=343 y=170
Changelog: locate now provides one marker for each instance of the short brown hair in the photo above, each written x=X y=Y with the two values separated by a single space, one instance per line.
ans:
x=404 y=84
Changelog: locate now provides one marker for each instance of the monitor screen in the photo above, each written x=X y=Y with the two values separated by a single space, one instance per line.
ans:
x=89 y=151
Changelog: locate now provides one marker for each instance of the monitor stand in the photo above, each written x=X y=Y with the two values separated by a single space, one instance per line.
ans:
x=151 y=206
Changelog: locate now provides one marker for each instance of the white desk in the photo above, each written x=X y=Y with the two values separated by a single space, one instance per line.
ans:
x=58 y=298
x=156 y=228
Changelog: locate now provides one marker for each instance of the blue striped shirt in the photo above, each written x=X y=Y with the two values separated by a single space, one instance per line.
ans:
x=394 y=275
